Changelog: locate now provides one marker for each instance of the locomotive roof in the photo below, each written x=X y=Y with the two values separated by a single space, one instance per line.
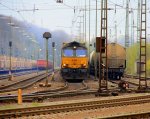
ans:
x=74 y=43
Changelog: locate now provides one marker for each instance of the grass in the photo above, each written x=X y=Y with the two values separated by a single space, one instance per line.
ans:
x=15 y=105
x=132 y=54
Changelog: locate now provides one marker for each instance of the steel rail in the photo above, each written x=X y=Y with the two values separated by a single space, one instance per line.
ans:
x=74 y=106
x=22 y=84
x=58 y=92
x=2 y=77
x=85 y=86
x=33 y=97
x=51 y=90
x=140 y=115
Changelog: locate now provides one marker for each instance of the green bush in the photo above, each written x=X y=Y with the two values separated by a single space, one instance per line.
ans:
x=132 y=55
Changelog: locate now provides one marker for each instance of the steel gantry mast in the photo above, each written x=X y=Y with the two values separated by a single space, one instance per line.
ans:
x=138 y=23
x=103 y=48
x=142 y=68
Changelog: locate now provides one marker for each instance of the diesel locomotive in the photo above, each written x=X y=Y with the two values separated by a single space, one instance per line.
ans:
x=74 y=61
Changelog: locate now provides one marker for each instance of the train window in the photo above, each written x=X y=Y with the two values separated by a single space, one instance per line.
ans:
x=81 y=52
x=68 y=52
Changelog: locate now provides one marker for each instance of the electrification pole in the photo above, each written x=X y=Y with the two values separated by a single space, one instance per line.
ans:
x=113 y=47
x=83 y=29
x=132 y=26
x=85 y=22
x=89 y=31
x=115 y=32
x=95 y=45
x=80 y=29
x=127 y=25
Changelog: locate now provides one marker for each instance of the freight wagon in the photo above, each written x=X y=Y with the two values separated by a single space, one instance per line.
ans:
x=116 y=61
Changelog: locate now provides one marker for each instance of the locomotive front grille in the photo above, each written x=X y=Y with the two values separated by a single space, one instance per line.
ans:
x=74 y=73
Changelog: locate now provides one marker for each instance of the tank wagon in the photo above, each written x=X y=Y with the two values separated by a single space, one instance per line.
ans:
x=116 y=61
x=74 y=61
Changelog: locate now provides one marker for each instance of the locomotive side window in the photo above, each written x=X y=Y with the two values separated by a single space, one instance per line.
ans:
x=81 y=52
x=68 y=52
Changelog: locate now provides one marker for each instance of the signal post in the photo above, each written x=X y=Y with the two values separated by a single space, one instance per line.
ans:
x=46 y=35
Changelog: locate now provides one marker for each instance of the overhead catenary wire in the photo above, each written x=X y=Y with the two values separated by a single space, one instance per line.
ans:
x=66 y=5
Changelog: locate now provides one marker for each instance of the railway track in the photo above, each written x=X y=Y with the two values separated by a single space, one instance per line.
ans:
x=73 y=106
x=52 y=93
x=133 y=76
x=41 y=96
x=135 y=83
x=142 y=115
x=61 y=89
x=77 y=86
x=131 y=84
x=2 y=77
x=85 y=86
x=22 y=84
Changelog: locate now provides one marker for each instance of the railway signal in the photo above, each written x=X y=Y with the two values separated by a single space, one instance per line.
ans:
x=10 y=64
x=53 y=46
x=59 y=1
x=100 y=44
x=47 y=35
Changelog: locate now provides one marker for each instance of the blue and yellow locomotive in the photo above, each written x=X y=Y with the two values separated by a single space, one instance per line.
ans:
x=74 y=61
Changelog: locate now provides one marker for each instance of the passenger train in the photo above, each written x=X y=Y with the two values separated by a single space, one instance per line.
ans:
x=21 y=64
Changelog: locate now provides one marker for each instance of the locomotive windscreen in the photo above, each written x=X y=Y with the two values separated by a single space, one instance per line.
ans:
x=74 y=52
x=80 y=52
x=68 y=52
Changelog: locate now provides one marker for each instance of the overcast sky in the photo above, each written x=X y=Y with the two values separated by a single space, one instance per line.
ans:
x=56 y=16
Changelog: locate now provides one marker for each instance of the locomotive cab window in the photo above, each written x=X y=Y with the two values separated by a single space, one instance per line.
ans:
x=81 y=52
x=67 y=52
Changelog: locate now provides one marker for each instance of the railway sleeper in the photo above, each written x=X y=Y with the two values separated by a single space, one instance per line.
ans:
x=38 y=99
x=8 y=101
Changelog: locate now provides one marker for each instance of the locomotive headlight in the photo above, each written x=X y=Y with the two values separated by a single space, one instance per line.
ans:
x=83 y=65
x=64 y=65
